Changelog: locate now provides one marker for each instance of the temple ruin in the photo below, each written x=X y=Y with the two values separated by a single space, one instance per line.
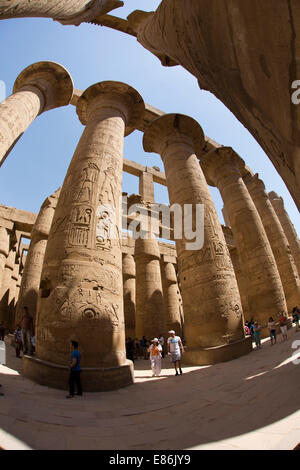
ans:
x=82 y=273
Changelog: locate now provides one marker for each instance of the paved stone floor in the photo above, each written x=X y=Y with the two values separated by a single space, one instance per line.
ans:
x=249 y=403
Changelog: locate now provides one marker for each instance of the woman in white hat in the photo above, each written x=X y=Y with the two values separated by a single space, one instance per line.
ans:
x=155 y=357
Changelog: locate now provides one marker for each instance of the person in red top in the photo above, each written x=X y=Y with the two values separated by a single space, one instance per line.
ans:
x=27 y=331
x=283 y=325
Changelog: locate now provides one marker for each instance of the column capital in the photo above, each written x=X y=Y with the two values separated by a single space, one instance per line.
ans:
x=274 y=197
x=129 y=102
x=172 y=126
x=255 y=185
x=51 y=79
x=217 y=162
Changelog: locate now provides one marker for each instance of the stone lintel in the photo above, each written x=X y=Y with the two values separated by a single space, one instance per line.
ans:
x=169 y=259
x=150 y=115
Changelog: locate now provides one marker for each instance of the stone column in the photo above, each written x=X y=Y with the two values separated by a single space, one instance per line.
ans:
x=129 y=294
x=241 y=280
x=171 y=295
x=81 y=294
x=213 y=319
x=278 y=241
x=71 y=12
x=150 y=313
x=6 y=285
x=146 y=187
x=38 y=88
x=31 y=277
x=4 y=246
x=288 y=227
x=265 y=293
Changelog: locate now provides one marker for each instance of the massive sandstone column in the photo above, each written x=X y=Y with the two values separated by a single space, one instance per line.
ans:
x=213 y=318
x=129 y=281
x=171 y=295
x=288 y=227
x=278 y=241
x=5 y=225
x=65 y=11
x=40 y=87
x=241 y=280
x=150 y=313
x=81 y=284
x=265 y=292
x=6 y=291
x=31 y=277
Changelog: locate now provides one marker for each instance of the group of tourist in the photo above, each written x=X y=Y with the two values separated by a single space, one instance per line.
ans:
x=253 y=328
x=24 y=339
x=155 y=351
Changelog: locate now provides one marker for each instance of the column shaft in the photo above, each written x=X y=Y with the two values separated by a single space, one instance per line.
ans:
x=129 y=282
x=150 y=321
x=213 y=319
x=265 y=293
x=288 y=227
x=81 y=295
x=278 y=241
x=171 y=297
x=31 y=277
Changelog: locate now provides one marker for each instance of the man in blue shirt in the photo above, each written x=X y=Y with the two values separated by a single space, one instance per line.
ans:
x=75 y=371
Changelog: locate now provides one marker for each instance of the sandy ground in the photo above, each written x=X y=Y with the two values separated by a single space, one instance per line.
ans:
x=249 y=403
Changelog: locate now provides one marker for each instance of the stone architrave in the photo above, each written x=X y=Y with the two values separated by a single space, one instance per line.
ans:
x=285 y=262
x=40 y=87
x=265 y=292
x=128 y=265
x=81 y=295
x=31 y=276
x=213 y=317
x=288 y=227
x=171 y=295
x=67 y=12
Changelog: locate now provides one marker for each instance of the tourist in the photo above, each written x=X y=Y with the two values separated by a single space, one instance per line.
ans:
x=136 y=346
x=18 y=341
x=144 y=347
x=257 y=334
x=272 y=330
x=162 y=343
x=247 y=329
x=155 y=350
x=2 y=331
x=129 y=349
x=296 y=317
x=283 y=326
x=175 y=348
x=74 y=371
x=27 y=331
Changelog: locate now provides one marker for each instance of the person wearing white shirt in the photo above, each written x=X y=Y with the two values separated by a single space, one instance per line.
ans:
x=175 y=349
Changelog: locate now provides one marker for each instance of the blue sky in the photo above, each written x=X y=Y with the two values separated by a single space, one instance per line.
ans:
x=37 y=165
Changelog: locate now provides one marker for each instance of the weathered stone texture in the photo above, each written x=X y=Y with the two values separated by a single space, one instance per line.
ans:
x=278 y=241
x=81 y=283
x=265 y=292
x=211 y=301
x=31 y=277
x=287 y=226
x=38 y=88
x=66 y=12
